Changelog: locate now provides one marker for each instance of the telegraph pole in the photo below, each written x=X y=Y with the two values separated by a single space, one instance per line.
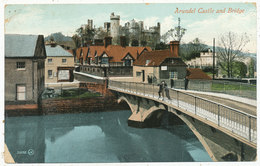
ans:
x=213 y=58
x=179 y=30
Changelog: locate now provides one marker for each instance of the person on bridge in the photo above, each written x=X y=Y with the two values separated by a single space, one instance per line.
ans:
x=167 y=92
x=186 y=82
x=161 y=89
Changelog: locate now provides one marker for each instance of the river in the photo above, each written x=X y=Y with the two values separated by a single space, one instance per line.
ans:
x=101 y=137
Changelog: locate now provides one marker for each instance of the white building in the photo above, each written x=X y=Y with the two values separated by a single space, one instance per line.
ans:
x=205 y=60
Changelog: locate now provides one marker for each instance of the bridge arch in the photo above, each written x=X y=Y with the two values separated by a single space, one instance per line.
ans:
x=124 y=99
x=196 y=133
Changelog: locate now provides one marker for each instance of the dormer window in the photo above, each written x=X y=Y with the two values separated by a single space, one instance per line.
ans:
x=147 y=62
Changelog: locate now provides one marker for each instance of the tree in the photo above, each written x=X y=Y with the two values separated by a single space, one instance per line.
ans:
x=161 y=46
x=251 y=68
x=76 y=40
x=230 y=46
x=100 y=33
x=86 y=34
x=239 y=69
x=192 y=49
x=174 y=34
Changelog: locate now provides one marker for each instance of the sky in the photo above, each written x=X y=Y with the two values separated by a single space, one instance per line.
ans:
x=46 y=19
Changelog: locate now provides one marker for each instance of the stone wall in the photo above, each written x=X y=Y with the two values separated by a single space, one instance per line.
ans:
x=93 y=104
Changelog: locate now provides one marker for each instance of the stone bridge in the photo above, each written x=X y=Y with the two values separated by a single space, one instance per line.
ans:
x=227 y=134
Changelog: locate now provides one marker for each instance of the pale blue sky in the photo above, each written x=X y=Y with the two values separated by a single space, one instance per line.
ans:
x=47 y=19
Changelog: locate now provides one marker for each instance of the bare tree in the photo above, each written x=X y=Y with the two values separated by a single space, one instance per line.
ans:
x=230 y=46
x=175 y=34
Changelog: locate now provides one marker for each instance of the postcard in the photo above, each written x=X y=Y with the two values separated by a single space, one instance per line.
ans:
x=130 y=83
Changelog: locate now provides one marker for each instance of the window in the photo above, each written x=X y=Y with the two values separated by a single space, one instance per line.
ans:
x=64 y=60
x=20 y=65
x=20 y=92
x=49 y=73
x=173 y=75
x=50 y=60
x=127 y=62
x=138 y=74
x=104 y=60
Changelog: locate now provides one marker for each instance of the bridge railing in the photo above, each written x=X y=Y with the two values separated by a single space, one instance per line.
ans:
x=238 y=122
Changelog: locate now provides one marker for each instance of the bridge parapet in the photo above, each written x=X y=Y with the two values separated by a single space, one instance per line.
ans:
x=238 y=124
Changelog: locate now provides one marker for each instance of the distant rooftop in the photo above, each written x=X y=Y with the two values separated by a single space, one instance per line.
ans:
x=56 y=51
x=17 y=45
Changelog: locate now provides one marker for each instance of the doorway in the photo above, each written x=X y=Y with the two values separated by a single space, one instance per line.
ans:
x=143 y=75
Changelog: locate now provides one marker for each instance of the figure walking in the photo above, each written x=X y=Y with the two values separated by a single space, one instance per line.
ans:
x=161 y=89
x=167 y=92
x=186 y=81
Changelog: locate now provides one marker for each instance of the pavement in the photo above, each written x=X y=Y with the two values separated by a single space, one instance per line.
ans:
x=242 y=104
x=225 y=96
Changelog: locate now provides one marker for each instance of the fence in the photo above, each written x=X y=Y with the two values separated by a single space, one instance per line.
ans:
x=217 y=86
x=237 y=122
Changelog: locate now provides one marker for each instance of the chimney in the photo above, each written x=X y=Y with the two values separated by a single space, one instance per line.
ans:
x=53 y=44
x=108 y=41
x=123 y=41
x=174 y=48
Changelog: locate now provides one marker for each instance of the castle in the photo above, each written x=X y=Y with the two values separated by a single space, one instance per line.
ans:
x=132 y=33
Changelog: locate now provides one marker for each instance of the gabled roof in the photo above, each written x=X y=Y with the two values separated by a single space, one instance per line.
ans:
x=115 y=52
x=156 y=57
x=195 y=73
x=83 y=50
x=57 y=51
x=20 y=45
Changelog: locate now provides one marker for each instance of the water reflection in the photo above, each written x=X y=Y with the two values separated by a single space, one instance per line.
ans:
x=97 y=137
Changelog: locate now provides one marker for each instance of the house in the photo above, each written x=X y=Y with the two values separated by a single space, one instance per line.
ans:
x=158 y=65
x=59 y=64
x=109 y=60
x=24 y=70
x=205 y=60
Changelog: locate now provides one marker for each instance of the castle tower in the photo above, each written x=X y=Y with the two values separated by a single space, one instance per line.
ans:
x=114 y=29
x=90 y=24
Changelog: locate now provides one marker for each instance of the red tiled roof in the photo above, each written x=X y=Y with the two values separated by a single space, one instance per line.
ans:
x=195 y=73
x=115 y=52
x=156 y=57
x=85 y=52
